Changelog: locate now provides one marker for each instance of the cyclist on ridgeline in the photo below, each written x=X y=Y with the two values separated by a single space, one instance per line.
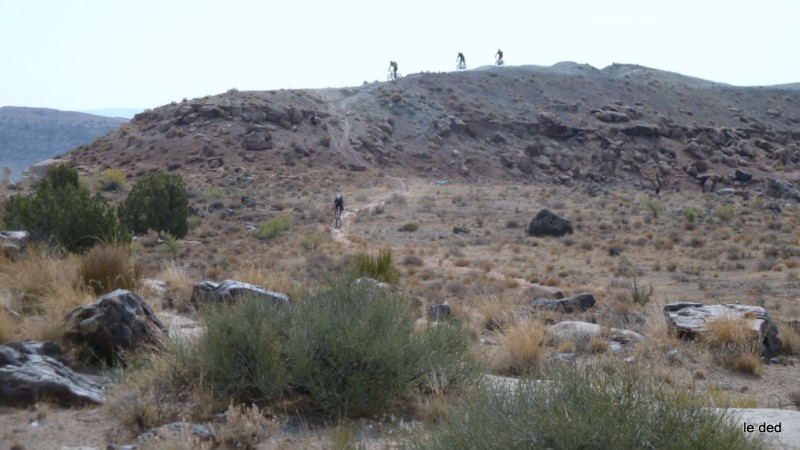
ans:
x=499 y=56
x=393 y=68
x=460 y=60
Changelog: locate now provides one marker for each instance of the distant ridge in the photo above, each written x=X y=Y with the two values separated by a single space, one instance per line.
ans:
x=28 y=135
x=126 y=113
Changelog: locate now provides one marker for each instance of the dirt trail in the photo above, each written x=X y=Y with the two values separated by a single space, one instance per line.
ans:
x=340 y=235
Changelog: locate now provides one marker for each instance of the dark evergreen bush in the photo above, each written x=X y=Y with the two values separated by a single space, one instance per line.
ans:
x=157 y=202
x=63 y=212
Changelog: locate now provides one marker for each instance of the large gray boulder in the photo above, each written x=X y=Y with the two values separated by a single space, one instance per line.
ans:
x=580 y=333
x=31 y=371
x=782 y=189
x=115 y=323
x=689 y=320
x=547 y=223
x=230 y=291
x=12 y=243
x=580 y=302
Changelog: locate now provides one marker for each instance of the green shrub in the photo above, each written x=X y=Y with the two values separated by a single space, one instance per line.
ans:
x=640 y=294
x=586 y=408
x=378 y=266
x=274 y=227
x=409 y=227
x=159 y=202
x=355 y=351
x=113 y=180
x=725 y=213
x=242 y=350
x=64 y=212
x=654 y=206
x=691 y=214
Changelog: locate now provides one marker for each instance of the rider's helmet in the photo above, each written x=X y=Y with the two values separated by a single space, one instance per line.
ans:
x=338 y=196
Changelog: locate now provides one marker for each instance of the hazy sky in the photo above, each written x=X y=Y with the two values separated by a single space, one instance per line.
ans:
x=88 y=54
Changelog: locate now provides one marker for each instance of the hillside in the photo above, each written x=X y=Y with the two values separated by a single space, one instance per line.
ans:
x=28 y=135
x=559 y=124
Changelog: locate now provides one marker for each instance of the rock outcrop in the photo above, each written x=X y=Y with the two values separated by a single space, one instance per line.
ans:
x=547 y=223
x=31 y=371
x=690 y=320
x=581 y=333
x=231 y=291
x=581 y=302
x=115 y=323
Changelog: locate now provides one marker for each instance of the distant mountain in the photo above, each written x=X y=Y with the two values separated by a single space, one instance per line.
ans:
x=28 y=135
x=126 y=113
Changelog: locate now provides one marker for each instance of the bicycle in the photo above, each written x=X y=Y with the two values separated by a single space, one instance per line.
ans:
x=337 y=217
x=461 y=66
x=393 y=76
x=499 y=62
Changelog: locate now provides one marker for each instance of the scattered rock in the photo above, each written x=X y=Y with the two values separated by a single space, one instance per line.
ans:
x=13 y=243
x=742 y=176
x=230 y=291
x=119 y=321
x=580 y=333
x=547 y=223
x=31 y=371
x=689 y=320
x=782 y=189
x=461 y=230
x=257 y=141
x=439 y=312
x=581 y=302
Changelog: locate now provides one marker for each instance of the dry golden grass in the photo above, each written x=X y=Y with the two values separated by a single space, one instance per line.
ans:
x=522 y=348
x=106 y=268
x=8 y=326
x=734 y=345
x=244 y=427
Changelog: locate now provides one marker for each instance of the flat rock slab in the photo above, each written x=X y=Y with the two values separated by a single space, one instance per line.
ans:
x=789 y=421
x=230 y=291
x=690 y=320
x=580 y=333
x=31 y=371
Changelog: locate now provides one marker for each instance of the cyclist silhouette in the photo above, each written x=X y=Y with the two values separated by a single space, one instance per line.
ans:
x=499 y=56
x=462 y=64
x=393 y=69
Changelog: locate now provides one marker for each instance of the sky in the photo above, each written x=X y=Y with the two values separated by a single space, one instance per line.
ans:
x=80 y=55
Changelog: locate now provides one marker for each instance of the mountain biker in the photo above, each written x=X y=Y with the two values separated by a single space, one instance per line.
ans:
x=393 y=68
x=338 y=204
x=314 y=119
x=499 y=56
x=460 y=59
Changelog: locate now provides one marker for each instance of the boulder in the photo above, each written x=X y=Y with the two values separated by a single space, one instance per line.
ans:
x=581 y=302
x=230 y=291
x=782 y=189
x=117 y=322
x=580 y=333
x=439 y=312
x=461 y=230
x=257 y=141
x=12 y=243
x=31 y=371
x=42 y=168
x=689 y=320
x=742 y=176
x=547 y=223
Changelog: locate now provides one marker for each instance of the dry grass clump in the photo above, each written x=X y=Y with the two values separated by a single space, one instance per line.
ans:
x=109 y=267
x=41 y=282
x=244 y=427
x=179 y=286
x=496 y=313
x=734 y=345
x=8 y=326
x=522 y=348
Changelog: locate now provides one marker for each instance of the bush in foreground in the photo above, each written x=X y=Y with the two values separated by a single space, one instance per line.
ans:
x=586 y=408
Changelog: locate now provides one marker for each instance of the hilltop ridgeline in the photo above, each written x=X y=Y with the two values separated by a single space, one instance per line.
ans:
x=560 y=124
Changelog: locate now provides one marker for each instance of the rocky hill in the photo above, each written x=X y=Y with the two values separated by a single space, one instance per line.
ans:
x=28 y=135
x=565 y=123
